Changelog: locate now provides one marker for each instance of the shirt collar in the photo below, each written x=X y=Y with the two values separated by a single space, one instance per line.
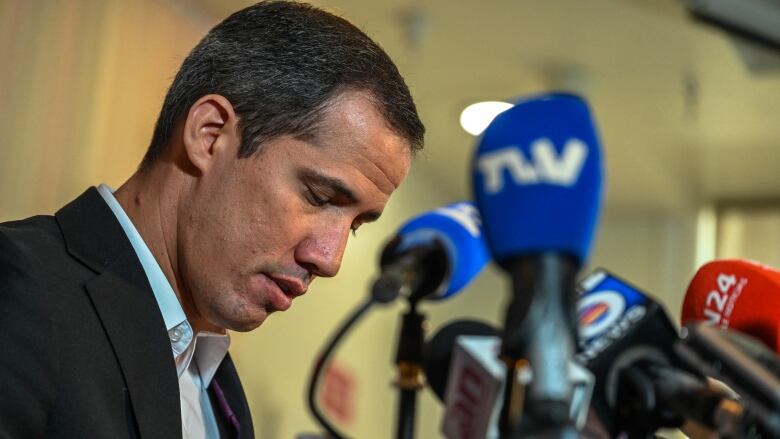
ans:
x=210 y=349
x=206 y=348
x=171 y=309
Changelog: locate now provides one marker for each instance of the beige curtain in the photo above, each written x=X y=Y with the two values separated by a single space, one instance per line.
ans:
x=80 y=88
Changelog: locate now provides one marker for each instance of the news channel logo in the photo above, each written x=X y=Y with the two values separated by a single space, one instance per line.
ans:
x=599 y=311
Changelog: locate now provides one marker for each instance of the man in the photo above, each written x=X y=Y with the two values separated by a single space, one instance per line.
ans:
x=285 y=129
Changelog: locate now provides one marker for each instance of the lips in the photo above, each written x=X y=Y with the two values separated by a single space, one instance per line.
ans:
x=291 y=287
x=280 y=290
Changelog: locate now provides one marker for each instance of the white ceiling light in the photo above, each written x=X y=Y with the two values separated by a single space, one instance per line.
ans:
x=476 y=117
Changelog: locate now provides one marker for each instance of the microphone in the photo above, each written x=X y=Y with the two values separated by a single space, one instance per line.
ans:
x=537 y=177
x=437 y=354
x=434 y=255
x=755 y=349
x=725 y=355
x=463 y=371
x=467 y=385
x=628 y=341
x=739 y=294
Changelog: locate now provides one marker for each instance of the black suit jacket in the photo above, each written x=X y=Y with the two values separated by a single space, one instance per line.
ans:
x=83 y=346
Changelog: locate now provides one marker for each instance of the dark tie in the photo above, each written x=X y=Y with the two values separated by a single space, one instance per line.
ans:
x=224 y=407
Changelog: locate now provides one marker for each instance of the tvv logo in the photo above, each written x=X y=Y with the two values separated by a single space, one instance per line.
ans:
x=546 y=166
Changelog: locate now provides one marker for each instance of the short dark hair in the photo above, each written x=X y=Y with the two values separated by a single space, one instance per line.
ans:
x=280 y=64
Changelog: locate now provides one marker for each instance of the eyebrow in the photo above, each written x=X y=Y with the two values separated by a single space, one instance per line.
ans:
x=340 y=187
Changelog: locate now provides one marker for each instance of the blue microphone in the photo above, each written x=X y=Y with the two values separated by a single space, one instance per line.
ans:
x=538 y=177
x=537 y=181
x=434 y=255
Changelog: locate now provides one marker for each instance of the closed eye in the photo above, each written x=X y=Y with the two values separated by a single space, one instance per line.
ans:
x=315 y=198
x=321 y=190
x=324 y=189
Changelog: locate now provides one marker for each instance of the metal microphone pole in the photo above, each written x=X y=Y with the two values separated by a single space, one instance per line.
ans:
x=408 y=360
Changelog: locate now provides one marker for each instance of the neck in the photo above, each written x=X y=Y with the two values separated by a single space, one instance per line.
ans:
x=151 y=200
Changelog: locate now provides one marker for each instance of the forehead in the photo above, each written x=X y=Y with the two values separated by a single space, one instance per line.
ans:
x=355 y=133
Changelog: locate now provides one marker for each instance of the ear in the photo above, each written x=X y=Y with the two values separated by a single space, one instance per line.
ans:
x=210 y=132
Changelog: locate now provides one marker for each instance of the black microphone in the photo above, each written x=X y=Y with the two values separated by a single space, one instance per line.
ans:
x=754 y=348
x=729 y=358
x=628 y=342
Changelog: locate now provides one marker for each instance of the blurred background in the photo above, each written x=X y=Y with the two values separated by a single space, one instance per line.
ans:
x=688 y=118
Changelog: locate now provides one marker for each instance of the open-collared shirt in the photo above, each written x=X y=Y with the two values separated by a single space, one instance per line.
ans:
x=207 y=349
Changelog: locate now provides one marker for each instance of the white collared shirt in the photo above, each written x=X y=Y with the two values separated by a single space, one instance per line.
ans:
x=197 y=356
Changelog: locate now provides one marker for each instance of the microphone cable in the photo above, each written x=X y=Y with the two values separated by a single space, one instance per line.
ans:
x=378 y=296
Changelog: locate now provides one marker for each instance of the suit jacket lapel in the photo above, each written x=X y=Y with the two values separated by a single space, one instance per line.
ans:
x=226 y=389
x=130 y=315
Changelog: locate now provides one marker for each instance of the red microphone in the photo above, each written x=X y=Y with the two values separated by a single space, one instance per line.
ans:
x=738 y=294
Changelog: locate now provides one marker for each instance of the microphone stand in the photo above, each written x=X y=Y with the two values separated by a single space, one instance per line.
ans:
x=404 y=277
x=540 y=330
x=408 y=359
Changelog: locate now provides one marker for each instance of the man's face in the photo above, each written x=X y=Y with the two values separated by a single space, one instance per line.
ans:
x=254 y=232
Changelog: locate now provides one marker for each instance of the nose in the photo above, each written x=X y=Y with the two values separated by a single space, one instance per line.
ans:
x=322 y=252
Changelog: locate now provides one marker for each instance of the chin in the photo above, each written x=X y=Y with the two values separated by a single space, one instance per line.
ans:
x=233 y=312
x=245 y=323
x=245 y=326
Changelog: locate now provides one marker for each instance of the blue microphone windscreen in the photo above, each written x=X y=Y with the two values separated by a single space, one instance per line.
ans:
x=459 y=228
x=537 y=178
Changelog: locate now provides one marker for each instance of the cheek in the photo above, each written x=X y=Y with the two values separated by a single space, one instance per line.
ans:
x=210 y=239
x=250 y=235
x=278 y=221
x=249 y=221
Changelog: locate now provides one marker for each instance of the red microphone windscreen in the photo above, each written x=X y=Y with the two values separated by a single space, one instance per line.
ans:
x=739 y=294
